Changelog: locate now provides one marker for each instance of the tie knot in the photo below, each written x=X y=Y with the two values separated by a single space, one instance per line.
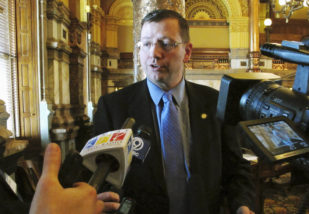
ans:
x=167 y=97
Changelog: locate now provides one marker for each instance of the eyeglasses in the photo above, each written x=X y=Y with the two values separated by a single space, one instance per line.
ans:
x=166 y=46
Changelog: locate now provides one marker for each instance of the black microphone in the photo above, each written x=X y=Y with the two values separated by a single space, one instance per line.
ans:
x=141 y=143
x=285 y=53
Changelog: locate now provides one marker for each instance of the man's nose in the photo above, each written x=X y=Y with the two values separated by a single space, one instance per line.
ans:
x=156 y=51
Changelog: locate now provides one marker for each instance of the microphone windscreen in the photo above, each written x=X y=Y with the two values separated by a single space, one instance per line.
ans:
x=141 y=143
x=118 y=144
x=141 y=147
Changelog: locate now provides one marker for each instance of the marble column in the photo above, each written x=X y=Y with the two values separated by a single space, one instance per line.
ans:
x=4 y=116
x=63 y=129
x=78 y=84
x=77 y=61
x=239 y=42
x=254 y=54
x=141 y=8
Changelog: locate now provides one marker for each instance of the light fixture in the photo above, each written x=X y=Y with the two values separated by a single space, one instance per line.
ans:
x=267 y=22
x=87 y=8
x=288 y=7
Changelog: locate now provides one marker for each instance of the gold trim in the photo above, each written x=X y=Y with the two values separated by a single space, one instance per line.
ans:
x=1 y=9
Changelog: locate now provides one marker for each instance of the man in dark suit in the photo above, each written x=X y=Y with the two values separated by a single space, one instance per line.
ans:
x=213 y=166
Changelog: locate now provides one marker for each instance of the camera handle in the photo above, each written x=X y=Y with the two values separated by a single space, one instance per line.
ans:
x=301 y=82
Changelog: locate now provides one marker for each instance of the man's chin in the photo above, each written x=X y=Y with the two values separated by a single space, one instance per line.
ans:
x=156 y=77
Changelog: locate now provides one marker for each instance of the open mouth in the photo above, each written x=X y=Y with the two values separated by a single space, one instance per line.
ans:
x=154 y=66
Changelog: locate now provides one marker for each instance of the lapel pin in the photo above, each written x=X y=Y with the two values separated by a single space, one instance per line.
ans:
x=203 y=116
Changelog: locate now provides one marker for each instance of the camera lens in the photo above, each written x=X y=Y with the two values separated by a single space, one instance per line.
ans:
x=269 y=99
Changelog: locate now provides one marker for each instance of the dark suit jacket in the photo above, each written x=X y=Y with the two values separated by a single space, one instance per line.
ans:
x=216 y=165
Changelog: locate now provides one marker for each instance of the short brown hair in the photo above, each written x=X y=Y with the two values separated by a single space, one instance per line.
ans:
x=158 y=15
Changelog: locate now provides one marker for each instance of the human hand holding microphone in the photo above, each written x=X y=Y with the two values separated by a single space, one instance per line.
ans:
x=51 y=197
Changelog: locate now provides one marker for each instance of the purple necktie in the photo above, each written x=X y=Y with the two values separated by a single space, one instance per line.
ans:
x=175 y=173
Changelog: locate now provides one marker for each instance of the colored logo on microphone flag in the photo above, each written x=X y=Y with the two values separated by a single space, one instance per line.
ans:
x=91 y=142
x=103 y=139
x=118 y=136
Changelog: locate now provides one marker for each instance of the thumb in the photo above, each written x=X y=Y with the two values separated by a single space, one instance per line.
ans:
x=52 y=160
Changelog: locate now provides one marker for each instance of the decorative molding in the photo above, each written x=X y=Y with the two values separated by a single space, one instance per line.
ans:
x=77 y=94
x=207 y=23
x=58 y=46
x=254 y=61
x=1 y=10
x=123 y=9
x=112 y=53
x=95 y=49
x=211 y=51
x=233 y=7
x=76 y=29
x=244 y=7
x=58 y=11
x=4 y=116
x=111 y=22
x=65 y=14
x=96 y=17
x=209 y=58
x=97 y=10
x=254 y=54
x=126 y=60
x=239 y=24
x=239 y=53
x=215 y=9
x=77 y=56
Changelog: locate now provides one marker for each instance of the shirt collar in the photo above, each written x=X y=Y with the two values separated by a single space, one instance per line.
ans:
x=156 y=92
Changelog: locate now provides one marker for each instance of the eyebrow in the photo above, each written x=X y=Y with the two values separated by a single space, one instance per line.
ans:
x=158 y=38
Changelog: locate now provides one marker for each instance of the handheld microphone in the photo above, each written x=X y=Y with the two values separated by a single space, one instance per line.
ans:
x=109 y=155
x=103 y=155
x=287 y=52
x=141 y=143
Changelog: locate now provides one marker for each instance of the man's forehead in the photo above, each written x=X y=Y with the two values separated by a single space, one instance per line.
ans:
x=163 y=29
x=160 y=22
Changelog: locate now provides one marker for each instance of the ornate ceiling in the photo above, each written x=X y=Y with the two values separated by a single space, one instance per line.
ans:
x=195 y=9
x=202 y=9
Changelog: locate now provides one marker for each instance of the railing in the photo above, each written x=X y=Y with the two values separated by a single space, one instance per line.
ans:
x=213 y=62
x=214 y=59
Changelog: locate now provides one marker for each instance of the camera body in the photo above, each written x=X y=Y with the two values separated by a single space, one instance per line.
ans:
x=232 y=88
x=251 y=96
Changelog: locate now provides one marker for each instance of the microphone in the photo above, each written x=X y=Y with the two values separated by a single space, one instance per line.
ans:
x=141 y=143
x=106 y=156
x=288 y=51
x=109 y=155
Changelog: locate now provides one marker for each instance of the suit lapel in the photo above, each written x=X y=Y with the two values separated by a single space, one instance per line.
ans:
x=200 y=124
x=139 y=107
x=198 y=110
x=143 y=110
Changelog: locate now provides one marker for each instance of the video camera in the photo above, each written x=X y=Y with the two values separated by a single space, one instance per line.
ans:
x=256 y=97
x=247 y=96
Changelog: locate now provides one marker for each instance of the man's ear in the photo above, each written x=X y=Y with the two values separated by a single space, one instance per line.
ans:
x=188 y=52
